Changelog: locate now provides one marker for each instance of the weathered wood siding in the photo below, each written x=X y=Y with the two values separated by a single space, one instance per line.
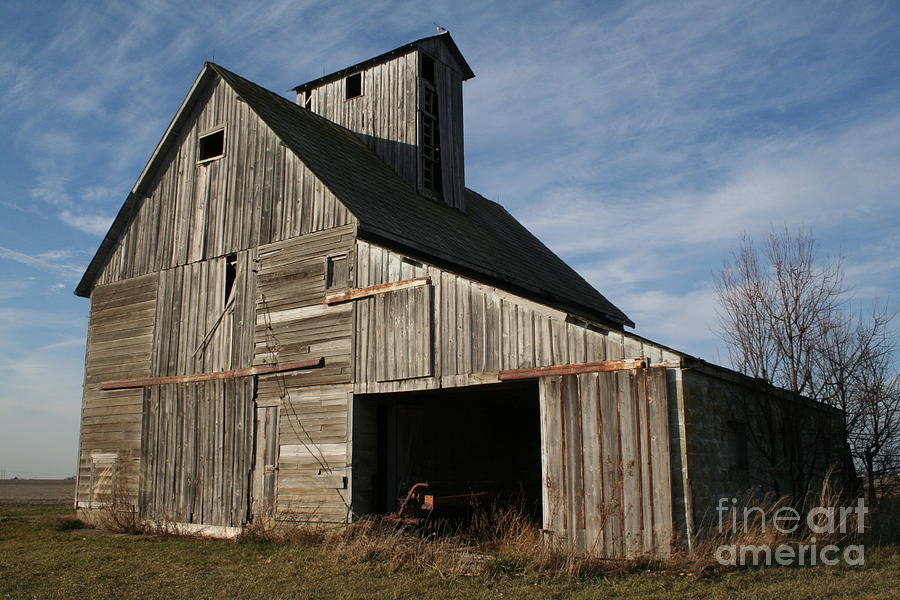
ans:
x=404 y=319
x=197 y=452
x=197 y=329
x=119 y=346
x=312 y=482
x=176 y=249
x=478 y=330
x=605 y=462
x=293 y=323
x=197 y=438
x=448 y=85
x=386 y=116
x=257 y=193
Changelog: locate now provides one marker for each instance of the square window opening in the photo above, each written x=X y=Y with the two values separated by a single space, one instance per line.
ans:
x=337 y=272
x=211 y=145
x=353 y=84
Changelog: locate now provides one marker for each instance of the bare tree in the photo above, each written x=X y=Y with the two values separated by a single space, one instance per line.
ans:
x=785 y=319
x=858 y=354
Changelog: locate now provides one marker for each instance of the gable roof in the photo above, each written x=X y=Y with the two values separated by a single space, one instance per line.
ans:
x=132 y=202
x=381 y=58
x=485 y=240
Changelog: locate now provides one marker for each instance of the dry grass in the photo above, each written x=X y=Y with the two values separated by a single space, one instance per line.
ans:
x=373 y=540
x=759 y=531
x=505 y=541
x=37 y=561
x=498 y=541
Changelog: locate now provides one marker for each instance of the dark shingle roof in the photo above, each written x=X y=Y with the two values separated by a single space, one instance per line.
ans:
x=486 y=239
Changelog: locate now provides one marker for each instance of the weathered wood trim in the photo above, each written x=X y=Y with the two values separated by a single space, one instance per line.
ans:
x=376 y=289
x=667 y=364
x=602 y=366
x=233 y=374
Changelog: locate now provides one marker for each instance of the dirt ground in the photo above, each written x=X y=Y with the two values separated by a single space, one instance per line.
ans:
x=37 y=492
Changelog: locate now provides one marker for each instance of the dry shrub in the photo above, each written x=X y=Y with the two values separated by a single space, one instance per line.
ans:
x=376 y=539
x=120 y=516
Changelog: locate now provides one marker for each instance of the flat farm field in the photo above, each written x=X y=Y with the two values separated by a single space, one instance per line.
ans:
x=37 y=492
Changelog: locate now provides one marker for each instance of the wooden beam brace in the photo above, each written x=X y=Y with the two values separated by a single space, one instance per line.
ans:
x=295 y=365
x=376 y=289
x=593 y=367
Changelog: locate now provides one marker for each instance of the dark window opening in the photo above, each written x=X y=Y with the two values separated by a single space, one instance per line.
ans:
x=230 y=275
x=337 y=272
x=307 y=99
x=428 y=68
x=737 y=445
x=431 y=142
x=354 y=85
x=211 y=145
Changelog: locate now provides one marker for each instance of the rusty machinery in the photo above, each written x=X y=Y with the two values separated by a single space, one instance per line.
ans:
x=418 y=505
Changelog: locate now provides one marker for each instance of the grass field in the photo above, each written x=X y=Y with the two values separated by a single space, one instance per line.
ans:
x=39 y=561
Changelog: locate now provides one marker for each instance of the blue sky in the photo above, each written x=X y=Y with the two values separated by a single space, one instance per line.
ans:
x=637 y=139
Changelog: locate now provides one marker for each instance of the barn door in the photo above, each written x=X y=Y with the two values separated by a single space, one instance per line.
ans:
x=266 y=463
x=197 y=452
x=605 y=452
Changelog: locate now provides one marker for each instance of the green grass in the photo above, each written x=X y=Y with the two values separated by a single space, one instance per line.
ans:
x=38 y=561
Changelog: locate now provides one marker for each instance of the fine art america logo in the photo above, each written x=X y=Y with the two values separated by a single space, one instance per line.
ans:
x=812 y=535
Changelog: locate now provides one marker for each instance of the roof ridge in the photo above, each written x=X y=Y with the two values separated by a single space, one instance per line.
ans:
x=294 y=106
x=486 y=241
x=444 y=36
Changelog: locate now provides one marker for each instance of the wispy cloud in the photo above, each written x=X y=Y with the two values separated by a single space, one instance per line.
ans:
x=92 y=224
x=50 y=189
x=60 y=262
x=676 y=318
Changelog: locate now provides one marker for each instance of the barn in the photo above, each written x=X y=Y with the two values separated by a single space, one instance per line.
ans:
x=301 y=312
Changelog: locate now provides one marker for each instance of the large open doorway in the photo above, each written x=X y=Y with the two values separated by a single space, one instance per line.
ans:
x=479 y=439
